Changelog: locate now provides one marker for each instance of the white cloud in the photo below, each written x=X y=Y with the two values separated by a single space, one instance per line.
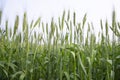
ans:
x=95 y=9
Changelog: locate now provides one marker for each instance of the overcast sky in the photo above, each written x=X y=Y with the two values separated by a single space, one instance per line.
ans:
x=95 y=9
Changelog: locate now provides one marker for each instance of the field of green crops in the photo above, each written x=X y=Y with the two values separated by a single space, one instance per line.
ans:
x=60 y=51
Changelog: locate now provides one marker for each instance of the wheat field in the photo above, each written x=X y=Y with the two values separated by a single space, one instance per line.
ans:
x=56 y=54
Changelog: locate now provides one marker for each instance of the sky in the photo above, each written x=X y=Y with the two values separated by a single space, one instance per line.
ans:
x=95 y=9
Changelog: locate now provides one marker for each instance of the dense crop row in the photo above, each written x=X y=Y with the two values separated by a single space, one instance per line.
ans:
x=60 y=51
